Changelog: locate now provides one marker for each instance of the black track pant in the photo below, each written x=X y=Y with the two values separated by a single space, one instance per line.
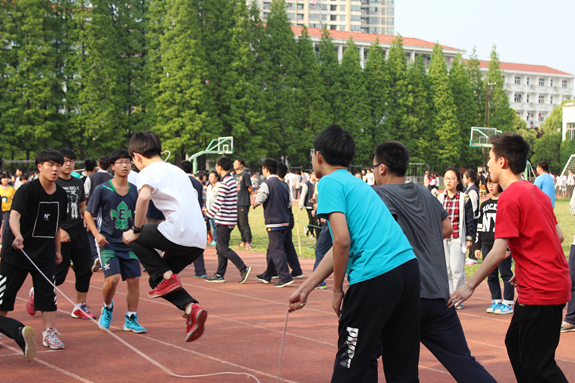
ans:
x=176 y=258
x=78 y=251
x=12 y=329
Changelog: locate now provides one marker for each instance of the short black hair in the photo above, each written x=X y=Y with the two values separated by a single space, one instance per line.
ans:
x=395 y=155
x=241 y=161
x=148 y=144
x=489 y=179
x=513 y=148
x=271 y=165
x=216 y=173
x=282 y=170
x=458 y=175
x=187 y=166
x=48 y=155
x=24 y=176
x=104 y=162
x=470 y=173
x=117 y=154
x=66 y=152
x=544 y=165
x=225 y=163
x=336 y=145
x=90 y=164
x=4 y=175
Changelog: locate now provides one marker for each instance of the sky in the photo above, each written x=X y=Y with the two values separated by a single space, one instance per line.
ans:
x=527 y=31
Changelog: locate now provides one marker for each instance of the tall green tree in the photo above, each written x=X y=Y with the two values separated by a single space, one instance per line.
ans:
x=465 y=105
x=314 y=108
x=422 y=139
x=500 y=114
x=355 y=117
x=280 y=77
x=329 y=73
x=377 y=86
x=445 y=113
x=476 y=79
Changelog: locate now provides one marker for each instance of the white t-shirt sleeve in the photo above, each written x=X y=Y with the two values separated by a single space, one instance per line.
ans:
x=145 y=178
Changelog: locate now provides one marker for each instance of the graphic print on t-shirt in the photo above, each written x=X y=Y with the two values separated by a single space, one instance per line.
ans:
x=46 y=223
x=120 y=216
x=73 y=193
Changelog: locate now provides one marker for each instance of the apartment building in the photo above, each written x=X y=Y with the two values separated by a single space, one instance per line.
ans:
x=365 y=16
x=412 y=47
x=534 y=90
x=569 y=121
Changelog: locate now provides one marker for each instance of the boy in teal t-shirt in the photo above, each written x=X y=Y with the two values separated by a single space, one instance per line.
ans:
x=382 y=301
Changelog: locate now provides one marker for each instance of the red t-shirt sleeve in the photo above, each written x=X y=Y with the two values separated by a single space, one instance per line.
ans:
x=508 y=217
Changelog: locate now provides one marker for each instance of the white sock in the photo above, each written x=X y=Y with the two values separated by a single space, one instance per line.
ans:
x=498 y=301
x=130 y=313
x=110 y=306
x=508 y=303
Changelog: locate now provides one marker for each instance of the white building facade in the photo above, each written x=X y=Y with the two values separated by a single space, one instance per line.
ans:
x=569 y=121
x=534 y=90
x=413 y=47
x=366 y=16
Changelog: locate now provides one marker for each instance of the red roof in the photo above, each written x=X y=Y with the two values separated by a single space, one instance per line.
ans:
x=368 y=37
x=525 y=68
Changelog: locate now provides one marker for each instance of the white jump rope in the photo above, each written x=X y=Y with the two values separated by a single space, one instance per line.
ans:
x=149 y=359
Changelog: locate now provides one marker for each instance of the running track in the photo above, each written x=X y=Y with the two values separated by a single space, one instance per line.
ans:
x=243 y=334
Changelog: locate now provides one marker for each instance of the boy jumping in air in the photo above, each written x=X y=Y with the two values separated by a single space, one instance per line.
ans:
x=526 y=223
x=115 y=200
x=182 y=236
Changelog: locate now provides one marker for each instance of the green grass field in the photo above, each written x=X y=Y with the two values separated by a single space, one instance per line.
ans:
x=260 y=237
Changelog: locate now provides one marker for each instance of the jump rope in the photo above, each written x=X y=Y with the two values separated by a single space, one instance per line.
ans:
x=151 y=360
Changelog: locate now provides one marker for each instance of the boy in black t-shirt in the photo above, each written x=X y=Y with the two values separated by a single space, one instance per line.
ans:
x=37 y=211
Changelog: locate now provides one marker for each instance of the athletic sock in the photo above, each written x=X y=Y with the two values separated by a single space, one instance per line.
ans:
x=109 y=307
x=130 y=313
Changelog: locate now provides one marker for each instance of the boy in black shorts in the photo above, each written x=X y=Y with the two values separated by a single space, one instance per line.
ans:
x=182 y=236
x=115 y=200
x=37 y=211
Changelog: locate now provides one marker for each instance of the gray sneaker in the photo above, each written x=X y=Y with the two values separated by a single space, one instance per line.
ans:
x=245 y=274
x=215 y=278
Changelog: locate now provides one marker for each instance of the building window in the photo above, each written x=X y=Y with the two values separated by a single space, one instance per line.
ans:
x=517 y=80
x=333 y=17
x=527 y=99
x=324 y=18
x=390 y=2
x=267 y=5
x=389 y=21
x=342 y=27
x=541 y=82
x=291 y=16
x=551 y=100
x=300 y=7
x=324 y=7
x=389 y=31
x=551 y=82
x=527 y=80
x=314 y=16
x=342 y=8
x=390 y=11
x=355 y=18
x=333 y=27
x=517 y=97
x=375 y=30
x=355 y=28
x=342 y=18
x=291 y=6
x=333 y=8
x=541 y=118
x=564 y=84
x=356 y=8
x=541 y=99
x=300 y=16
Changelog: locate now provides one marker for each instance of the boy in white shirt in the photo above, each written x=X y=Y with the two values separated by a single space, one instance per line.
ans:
x=182 y=236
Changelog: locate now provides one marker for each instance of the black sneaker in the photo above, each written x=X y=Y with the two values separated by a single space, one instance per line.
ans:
x=245 y=274
x=283 y=284
x=215 y=278
x=261 y=278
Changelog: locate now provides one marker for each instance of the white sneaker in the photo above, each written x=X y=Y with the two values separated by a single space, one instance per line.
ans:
x=50 y=339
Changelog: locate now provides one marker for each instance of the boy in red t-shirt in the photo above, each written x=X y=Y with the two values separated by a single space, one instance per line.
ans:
x=526 y=223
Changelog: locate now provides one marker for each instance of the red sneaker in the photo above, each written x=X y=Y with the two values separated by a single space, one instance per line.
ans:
x=82 y=312
x=30 y=303
x=166 y=286
x=195 y=322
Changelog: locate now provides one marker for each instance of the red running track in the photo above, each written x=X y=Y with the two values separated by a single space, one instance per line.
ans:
x=243 y=334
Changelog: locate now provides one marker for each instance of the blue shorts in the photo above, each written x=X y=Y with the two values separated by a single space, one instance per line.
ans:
x=116 y=262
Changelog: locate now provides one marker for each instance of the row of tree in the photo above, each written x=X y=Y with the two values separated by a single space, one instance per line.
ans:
x=86 y=75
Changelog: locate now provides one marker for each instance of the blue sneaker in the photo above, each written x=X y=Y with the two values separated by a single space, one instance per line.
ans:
x=321 y=286
x=213 y=243
x=106 y=317
x=504 y=309
x=131 y=324
x=493 y=307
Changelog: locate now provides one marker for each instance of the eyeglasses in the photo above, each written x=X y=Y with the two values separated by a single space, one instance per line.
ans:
x=312 y=152
x=123 y=163
x=450 y=178
x=68 y=162
x=376 y=165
